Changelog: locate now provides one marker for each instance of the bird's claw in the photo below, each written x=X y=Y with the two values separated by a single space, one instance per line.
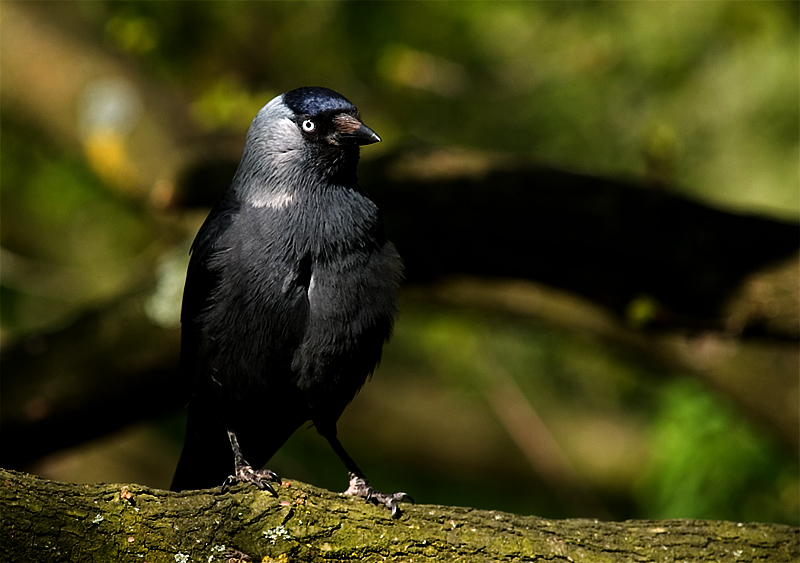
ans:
x=360 y=487
x=259 y=477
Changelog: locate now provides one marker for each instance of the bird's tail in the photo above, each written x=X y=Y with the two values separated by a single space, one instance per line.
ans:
x=206 y=460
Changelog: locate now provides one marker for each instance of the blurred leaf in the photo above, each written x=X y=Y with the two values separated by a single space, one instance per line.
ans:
x=66 y=238
x=228 y=104
x=708 y=462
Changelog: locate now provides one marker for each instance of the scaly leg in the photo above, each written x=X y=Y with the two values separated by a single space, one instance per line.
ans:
x=359 y=485
x=245 y=473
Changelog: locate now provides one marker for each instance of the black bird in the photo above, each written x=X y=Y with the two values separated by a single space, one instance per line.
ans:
x=289 y=296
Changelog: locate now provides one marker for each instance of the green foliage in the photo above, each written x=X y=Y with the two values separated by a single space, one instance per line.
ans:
x=68 y=241
x=708 y=462
x=696 y=96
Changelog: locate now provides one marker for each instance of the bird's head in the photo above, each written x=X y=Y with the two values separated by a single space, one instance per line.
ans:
x=310 y=130
x=327 y=117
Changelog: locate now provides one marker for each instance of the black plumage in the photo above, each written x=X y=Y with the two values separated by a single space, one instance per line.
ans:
x=289 y=296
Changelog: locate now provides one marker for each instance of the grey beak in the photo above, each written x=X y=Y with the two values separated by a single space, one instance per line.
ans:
x=365 y=136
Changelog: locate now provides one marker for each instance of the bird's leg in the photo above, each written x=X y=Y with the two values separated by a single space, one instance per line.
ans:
x=245 y=473
x=359 y=485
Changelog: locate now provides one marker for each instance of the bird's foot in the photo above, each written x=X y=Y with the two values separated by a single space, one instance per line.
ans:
x=261 y=478
x=360 y=487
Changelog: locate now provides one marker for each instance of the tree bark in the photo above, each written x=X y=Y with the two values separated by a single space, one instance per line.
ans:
x=53 y=521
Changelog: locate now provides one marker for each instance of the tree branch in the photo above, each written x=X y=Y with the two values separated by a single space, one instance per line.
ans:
x=52 y=521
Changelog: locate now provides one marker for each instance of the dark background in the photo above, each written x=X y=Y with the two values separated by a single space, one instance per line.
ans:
x=597 y=203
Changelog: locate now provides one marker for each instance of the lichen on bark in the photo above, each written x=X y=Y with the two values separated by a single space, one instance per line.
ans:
x=53 y=521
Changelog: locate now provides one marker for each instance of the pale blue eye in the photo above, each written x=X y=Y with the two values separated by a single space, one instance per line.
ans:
x=309 y=126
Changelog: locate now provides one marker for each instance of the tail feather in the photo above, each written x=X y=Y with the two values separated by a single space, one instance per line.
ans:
x=207 y=458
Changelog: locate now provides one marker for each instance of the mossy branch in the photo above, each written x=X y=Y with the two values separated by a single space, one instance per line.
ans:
x=53 y=521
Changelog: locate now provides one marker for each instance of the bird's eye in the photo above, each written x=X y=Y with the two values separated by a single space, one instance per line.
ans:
x=309 y=126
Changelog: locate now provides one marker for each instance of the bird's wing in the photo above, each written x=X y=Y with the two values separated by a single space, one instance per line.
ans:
x=200 y=283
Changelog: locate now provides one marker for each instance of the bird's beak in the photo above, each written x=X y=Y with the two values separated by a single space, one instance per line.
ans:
x=350 y=131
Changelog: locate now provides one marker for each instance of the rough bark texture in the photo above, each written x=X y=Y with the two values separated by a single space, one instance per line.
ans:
x=53 y=521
